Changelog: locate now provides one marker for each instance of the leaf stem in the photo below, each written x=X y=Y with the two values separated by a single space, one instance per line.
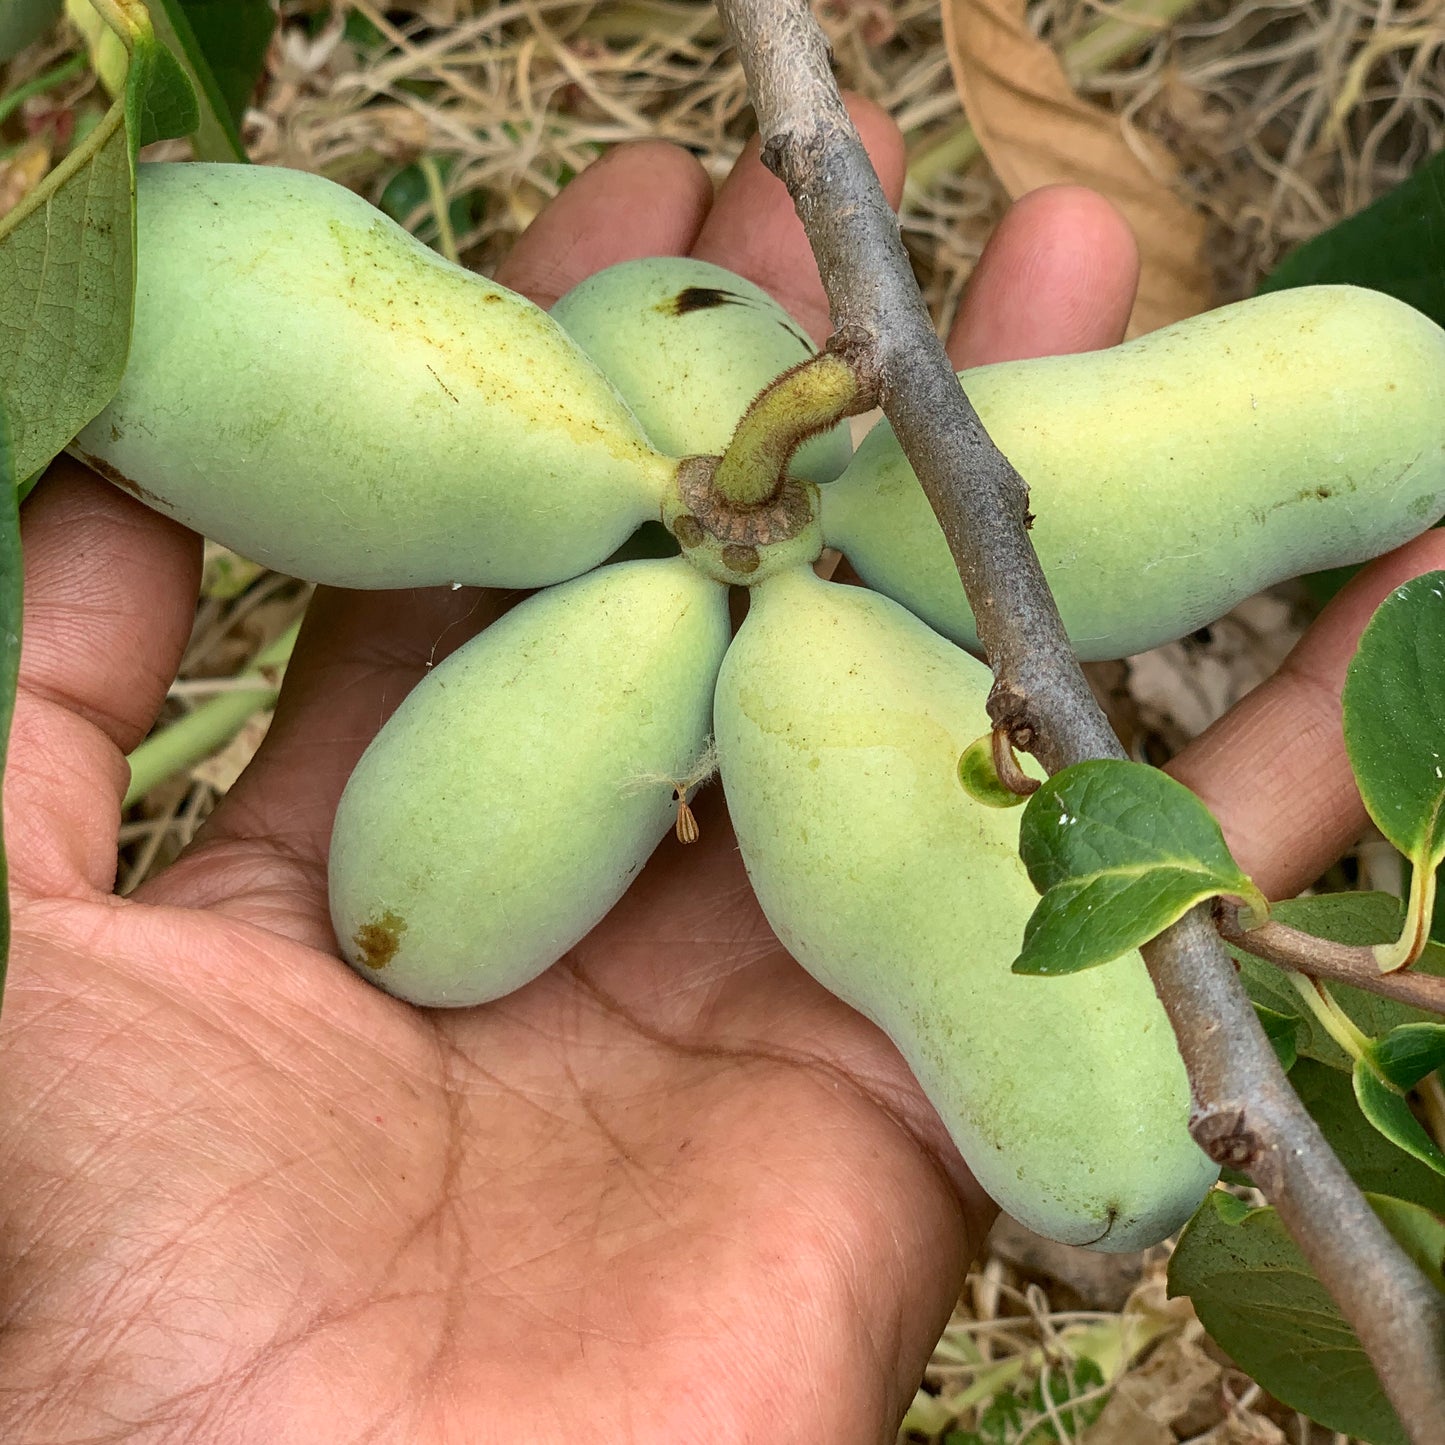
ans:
x=1007 y=766
x=1419 y=906
x=799 y=404
x=1332 y=1018
x=204 y=729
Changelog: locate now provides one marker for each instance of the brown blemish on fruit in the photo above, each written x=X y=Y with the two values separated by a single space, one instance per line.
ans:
x=118 y=478
x=698 y=298
x=377 y=942
x=688 y=530
x=739 y=557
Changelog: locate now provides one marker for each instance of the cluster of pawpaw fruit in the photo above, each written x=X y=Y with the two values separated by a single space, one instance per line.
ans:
x=313 y=387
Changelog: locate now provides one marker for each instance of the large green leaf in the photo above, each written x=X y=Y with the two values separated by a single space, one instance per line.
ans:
x=1408 y=1053
x=10 y=604
x=1262 y=1304
x=1397 y=245
x=67 y=260
x=1119 y=851
x=1388 y=1111
x=222 y=44
x=1394 y=717
x=1355 y=918
x=1375 y=1164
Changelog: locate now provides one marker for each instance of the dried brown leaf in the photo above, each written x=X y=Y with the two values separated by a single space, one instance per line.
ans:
x=1036 y=131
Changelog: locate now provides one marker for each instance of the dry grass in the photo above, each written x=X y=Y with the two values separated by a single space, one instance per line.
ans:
x=1285 y=116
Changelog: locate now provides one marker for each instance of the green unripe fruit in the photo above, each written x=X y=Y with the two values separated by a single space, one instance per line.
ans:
x=690 y=345
x=1180 y=473
x=840 y=721
x=313 y=387
x=521 y=786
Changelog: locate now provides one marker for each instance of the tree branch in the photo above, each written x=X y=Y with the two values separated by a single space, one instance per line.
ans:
x=1246 y=1114
x=1349 y=963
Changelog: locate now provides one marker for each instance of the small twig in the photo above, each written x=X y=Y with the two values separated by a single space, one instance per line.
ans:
x=1006 y=765
x=1246 y=1114
x=1353 y=964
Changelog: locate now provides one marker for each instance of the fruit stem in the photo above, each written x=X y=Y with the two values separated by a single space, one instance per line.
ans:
x=799 y=404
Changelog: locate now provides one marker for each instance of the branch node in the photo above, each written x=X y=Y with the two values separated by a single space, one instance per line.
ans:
x=1224 y=1133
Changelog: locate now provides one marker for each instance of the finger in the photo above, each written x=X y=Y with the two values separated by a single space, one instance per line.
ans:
x=754 y=230
x=110 y=590
x=647 y=198
x=1056 y=277
x=262 y=854
x=1274 y=770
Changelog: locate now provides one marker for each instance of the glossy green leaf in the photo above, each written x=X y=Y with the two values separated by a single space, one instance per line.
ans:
x=1374 y=1163
x=1119 y=851
x=222 y=45
x=10 y=605
x=1393 y=245
x=1394 y=718
x=1282 y=1031
x=1388 y=1111
x=23 y=21
x=1408 y=1053
x=1262 y=1304
x=1357 y=918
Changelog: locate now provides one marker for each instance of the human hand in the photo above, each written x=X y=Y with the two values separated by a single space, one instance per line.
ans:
x=672 y=1188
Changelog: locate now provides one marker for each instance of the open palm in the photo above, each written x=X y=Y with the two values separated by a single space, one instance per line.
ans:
x=672 y=1190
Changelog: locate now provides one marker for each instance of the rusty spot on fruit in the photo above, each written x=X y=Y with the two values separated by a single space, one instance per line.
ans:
x=377 y=942
x=739 y=557
x=118 y=478
x=698 y=298
x=688 y=530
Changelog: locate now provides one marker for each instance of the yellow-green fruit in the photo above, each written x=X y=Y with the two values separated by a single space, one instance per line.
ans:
x=690 y=345
x=312 y=386
x=510 y=800
x=1180 y=473
x=840 y=721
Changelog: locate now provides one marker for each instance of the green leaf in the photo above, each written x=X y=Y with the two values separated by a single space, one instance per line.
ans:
x=980 y=778
x=1390 y=1114
x=165 y=104
x=1282 y=1031
x=1356 y=918
x=1392 y=246
x=1119 y=851
x=222 y=45
x=67 y=268
x=22 y=21
x=1374 y=1163
x=10 y=607
x=1394 y=714
x=1408 y=1053
x=1419 y=1232
x=1262 y=1304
